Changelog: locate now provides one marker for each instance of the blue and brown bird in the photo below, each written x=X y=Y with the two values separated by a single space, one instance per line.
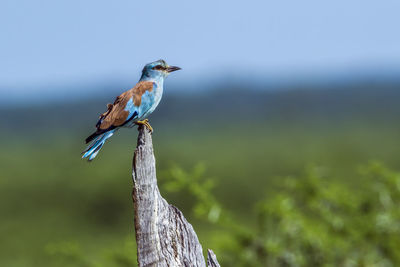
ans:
x=131 y=107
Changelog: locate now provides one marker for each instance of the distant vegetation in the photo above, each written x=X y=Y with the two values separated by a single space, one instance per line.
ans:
x=58 y=210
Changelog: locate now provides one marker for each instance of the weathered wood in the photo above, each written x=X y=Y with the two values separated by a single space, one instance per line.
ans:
x=212 y=259
x=163 y=236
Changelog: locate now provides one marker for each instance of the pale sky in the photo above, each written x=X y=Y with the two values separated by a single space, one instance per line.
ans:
x=68 y=41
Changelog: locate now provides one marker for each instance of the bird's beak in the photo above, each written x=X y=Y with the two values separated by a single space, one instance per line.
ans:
x=172 y=68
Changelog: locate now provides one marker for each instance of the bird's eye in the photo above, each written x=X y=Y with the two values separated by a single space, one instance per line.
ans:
x=158 y=67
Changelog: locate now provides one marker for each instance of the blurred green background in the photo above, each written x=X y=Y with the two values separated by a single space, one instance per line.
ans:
x=60 y=210
x=278 y=139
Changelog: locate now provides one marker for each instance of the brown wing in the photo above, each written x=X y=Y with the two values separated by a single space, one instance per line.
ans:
x=116 y=115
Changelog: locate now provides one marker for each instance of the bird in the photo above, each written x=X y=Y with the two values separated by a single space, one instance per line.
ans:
x=131 y=107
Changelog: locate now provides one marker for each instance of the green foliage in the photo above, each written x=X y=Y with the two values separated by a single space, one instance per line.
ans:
x=311 y=220
x=205 y=206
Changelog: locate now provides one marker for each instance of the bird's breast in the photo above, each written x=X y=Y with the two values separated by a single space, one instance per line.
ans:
x=150 y=101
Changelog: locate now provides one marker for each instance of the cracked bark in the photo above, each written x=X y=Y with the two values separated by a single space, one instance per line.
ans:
x=163 y=236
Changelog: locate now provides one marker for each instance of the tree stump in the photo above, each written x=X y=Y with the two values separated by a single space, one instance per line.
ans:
x=163 y=236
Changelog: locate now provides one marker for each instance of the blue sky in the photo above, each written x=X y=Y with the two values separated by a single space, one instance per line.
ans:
x=69 y=41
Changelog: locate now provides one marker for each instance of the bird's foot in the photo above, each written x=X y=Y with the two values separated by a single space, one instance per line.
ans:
x=146 y=123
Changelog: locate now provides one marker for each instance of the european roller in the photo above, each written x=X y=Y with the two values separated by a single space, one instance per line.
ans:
x=131 y=107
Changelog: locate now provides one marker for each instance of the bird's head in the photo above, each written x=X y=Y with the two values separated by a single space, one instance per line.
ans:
x=158 y=69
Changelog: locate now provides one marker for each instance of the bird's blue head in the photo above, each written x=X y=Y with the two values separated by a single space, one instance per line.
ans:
x=157 y=70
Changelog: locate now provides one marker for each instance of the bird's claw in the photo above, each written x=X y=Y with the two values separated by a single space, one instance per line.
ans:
x=146 y=123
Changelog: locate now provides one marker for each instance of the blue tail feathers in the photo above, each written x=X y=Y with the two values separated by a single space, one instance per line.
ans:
x=93 y=149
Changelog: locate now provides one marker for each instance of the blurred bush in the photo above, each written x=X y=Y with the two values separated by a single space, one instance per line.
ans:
x=311 y=221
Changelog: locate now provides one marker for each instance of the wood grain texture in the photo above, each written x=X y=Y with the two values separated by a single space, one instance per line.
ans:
x=163 y=236
x=212 y=259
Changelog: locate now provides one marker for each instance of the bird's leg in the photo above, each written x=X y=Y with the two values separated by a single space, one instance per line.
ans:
x=146 y=123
